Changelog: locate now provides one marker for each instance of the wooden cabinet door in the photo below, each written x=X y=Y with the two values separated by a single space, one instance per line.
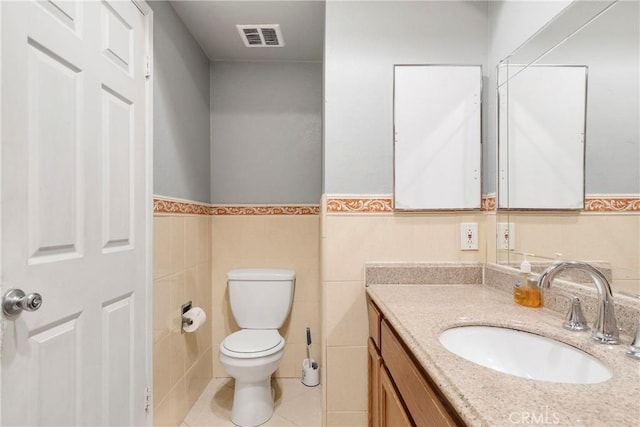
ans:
x=374 y=322
x=391 y=411
x=419 y=397
x=374 y=364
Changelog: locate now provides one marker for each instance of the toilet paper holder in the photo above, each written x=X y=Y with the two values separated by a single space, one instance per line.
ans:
x=186 y=321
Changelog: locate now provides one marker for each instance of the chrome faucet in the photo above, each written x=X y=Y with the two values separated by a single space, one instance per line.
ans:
x=634 y=348
x=605 y=330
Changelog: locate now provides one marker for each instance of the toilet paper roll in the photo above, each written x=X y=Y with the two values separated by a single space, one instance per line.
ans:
x=193 y=319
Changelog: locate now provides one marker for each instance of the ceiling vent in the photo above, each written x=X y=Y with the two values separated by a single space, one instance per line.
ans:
x=268 y=35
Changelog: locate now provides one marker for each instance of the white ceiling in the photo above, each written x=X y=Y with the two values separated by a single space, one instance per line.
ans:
x=213 y=24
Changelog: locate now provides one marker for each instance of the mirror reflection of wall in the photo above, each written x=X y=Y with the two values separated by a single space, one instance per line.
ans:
x=542 y=116
x=609 y=46
x=609 y=227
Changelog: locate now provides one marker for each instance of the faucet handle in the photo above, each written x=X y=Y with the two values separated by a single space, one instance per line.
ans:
x=575 y=321
x=634 y=348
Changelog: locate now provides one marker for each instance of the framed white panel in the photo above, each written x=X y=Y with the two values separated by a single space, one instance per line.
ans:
x=55 y=206
x=542 y=114
x=69 y=13
x=118 y=359
x=54 y=375
x=437 y=137
x=117 y=38
x=117 y=171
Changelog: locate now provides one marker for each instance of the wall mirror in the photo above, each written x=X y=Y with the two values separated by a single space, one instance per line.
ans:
x=437 y=131
x=603 y=38
x=541 y=116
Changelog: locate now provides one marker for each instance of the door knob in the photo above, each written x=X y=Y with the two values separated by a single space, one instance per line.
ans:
x=15 y=300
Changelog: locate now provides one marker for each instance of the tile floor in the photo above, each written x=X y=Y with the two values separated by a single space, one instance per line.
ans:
x=295 y=405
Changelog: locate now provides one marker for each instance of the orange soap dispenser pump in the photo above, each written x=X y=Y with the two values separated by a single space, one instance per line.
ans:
x=526 y=291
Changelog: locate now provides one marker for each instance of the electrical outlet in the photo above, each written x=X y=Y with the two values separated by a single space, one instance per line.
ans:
x=506 y=236
x=469 y=236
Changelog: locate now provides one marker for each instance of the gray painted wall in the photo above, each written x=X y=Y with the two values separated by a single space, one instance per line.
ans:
x=266 y=123
x=363 y=40
x=181 y=166
x=272 y=110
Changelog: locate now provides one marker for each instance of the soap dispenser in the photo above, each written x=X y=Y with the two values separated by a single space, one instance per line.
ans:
x=526 y=291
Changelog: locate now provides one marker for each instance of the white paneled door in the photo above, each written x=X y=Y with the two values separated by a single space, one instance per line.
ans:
x=75 y=212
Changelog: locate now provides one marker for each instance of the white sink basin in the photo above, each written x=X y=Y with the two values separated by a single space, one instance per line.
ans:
x=524 y=355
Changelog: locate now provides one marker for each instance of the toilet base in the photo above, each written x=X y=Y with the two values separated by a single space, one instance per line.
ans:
x=252 y=403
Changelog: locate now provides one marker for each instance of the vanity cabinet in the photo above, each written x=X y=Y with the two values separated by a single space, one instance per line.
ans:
x=400 y=393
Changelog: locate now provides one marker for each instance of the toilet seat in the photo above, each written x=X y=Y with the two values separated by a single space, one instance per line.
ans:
x=252 y=343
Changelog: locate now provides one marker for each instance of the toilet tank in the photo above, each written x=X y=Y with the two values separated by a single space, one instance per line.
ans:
x=260 y=298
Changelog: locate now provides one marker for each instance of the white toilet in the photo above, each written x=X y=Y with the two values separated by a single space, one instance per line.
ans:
x=260 y=301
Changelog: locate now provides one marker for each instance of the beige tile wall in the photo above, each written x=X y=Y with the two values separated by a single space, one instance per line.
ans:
x=182 y=272
x=350 y=241
x=189 y=264
x=270 y=241
x=609 y=237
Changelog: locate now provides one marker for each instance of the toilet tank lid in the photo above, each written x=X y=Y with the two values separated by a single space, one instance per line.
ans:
x=261 y=274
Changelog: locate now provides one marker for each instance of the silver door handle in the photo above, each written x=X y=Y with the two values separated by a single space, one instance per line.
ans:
x=15 y=300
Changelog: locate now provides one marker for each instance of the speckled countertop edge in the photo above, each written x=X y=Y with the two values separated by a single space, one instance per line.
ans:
x=484 y=397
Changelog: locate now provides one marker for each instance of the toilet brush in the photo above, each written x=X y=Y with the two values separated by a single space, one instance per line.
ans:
x=314 y=365
x=310 y=371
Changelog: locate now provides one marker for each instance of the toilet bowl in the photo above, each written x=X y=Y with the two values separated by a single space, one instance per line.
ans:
x=260 y=301
x=250 y=356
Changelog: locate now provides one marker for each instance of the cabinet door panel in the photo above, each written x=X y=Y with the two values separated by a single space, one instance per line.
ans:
x=392 y=412
x=374 y=363
x=421 y=401
x=374 y=322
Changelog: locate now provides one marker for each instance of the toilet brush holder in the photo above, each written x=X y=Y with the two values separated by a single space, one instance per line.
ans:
x=310 y=373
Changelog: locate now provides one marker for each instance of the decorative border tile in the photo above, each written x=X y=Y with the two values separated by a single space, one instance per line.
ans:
x=592 y=203
x=163 y=205
x=488 y=202
x=359 y=205
x=185 y=207
x=379 y=204
x=266 y=210
x=367 y=205
x=595 y=203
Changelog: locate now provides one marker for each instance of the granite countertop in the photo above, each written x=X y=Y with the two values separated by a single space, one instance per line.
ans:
x=484 y=397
